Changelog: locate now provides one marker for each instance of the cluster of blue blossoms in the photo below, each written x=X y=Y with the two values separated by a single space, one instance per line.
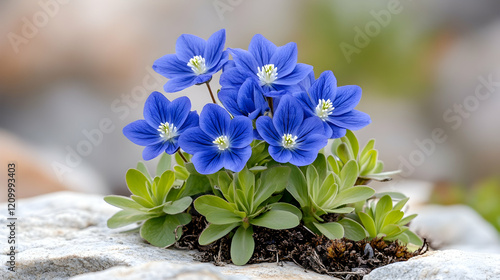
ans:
x=266 y=94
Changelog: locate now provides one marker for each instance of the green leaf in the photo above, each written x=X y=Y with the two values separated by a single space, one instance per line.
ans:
x=144 y=170
x=370 y=163
x=344 y=153
x=391 y=230
x=142 y=201
x=368 y=223
x=137 y=183
x=343 y=210
x=181 y=173
x=321 y=165
x=214 y=232
x=164 y=164
x=164 y=186
x=406 y=220
x=122 y=202
x=414 y=239
x=276 y=219
x=353 y=143
x=127 y=217
x=334 y=164
x=352 y=229
x=273 y=180
x=330 y=230
x=287 y=207
x=224 y=183
x=393 y=217
x=162 y=231
x=349 y=174
x=179 y=160
x=258 y=169
x=196 y=184
x=400 y=204
x=384 y=205
x=297 y=186
x=393 y=195
x=327 y=191
x=354 y=194
x=242 y=245
x=368 y=147
x=216 y=210
x=178 y=206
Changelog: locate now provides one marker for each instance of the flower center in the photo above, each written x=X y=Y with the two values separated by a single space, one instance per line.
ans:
x=222 y=142
x=324 y=109
x=167 y=131
x=267 y=74
x=289 y=141
x=197 y=64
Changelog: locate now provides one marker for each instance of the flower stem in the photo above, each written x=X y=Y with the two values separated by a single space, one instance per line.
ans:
x=182 y=156
x=270 y=102
x=211 y=94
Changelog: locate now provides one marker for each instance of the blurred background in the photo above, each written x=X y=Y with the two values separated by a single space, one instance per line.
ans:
x=74 y=73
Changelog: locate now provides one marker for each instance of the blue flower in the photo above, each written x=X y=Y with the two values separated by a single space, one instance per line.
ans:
x=246 y=101
x=163 y=122
x=194 y=62
x=292 y=138
x=274 y=68
x=219 y=141
x=334 y=105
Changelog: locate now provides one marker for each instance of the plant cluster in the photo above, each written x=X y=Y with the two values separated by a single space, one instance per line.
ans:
x=259 y=159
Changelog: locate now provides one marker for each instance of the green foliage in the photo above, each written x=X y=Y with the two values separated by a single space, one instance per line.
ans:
x=155 y=204
x=247 y=199
x=347 y=148
x=385 y=220
x=321 y=192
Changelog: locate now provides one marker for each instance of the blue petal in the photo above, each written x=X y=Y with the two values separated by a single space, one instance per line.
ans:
x=228 y=98
x=280 y=154
x=314 y=143
x=207 y=162
x=328 y=130
x=155 y=109
x=194 y=140
x=214 y=120
x=171 y=67
x=303 y=157
x=191 y=121
x=324 y=87
x=141 y=133
x=312 y=125
x=352 y=120
x=150 y=152
x=337 y=132
x=230 y=64
x=171 y=146
x=245 y=61
x=224 y=60
x=245 y=96
x=235 y=158
x=262 y=49
x=307 y=104
x=346 y=99
x=178 y=110
x=288 y=116
x=275 y=93
x=307 y=82
x=178 y=84
x=267 y=131
x=240 y=132
x=232 y=78
x=214 y=48
x=189 y=46
x=200 y=79
x=296 y=76
x=285 y=59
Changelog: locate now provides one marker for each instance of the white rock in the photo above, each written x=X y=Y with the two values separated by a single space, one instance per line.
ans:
x=62 y=235
x=456 y=227
x=440 y=265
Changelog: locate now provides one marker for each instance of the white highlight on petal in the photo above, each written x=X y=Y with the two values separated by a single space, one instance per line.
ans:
x=288 y=141
x=167 y=131
x=197 y=64
x=267 y=74
x=324 y=109
x=222 y=142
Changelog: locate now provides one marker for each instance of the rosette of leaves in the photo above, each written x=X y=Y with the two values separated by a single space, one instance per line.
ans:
x=155 y=205
x=320 y=192
x=383 y=220
x=370 y=167
x=246 y=200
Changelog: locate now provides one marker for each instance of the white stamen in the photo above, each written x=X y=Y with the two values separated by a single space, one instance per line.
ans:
x=289 y=141
x=222 y=142
x=324 y=109
x=267 y=74
x=197 y=64
x=167 y=131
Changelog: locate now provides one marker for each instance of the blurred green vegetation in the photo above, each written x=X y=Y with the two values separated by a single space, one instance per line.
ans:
x=397 y=62
x=482 y=197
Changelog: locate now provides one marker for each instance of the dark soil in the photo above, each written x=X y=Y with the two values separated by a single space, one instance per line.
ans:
x=341 y=258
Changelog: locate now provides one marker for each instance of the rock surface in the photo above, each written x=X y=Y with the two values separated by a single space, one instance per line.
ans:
x=438 y=265
x=64 y=235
